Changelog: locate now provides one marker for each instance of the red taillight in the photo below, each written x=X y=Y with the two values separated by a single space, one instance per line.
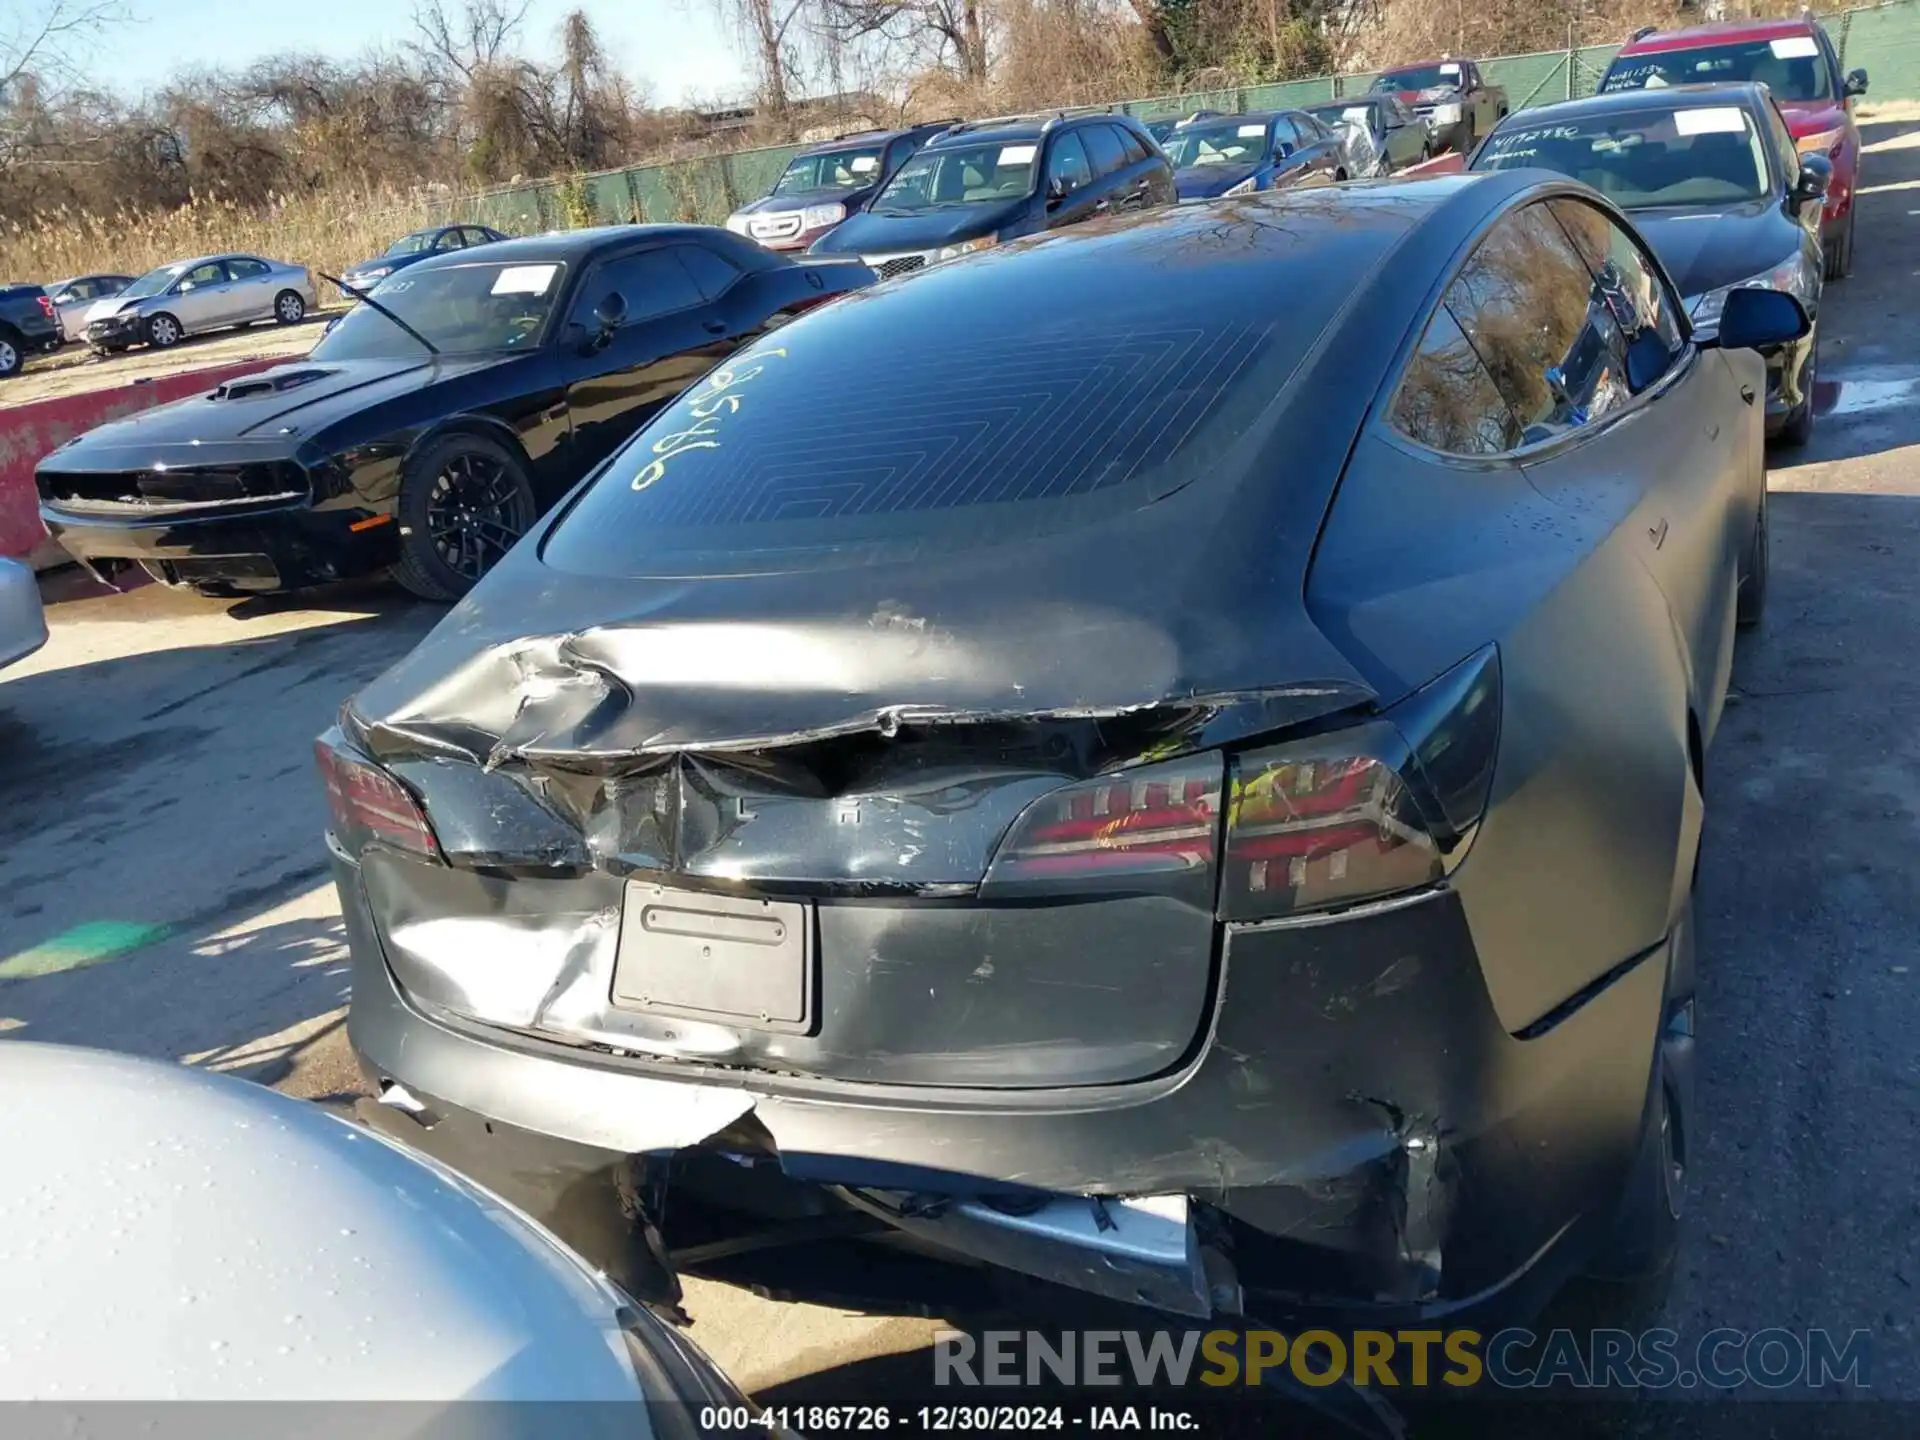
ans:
x=1324 y=822
x=369 y=805
x=1157 y=820
x=46 y=306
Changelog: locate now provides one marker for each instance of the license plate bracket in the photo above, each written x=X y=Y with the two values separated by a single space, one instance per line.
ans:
x=726 y=959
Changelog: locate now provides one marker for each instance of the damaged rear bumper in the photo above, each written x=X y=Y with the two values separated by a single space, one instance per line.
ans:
x=1355 y=1137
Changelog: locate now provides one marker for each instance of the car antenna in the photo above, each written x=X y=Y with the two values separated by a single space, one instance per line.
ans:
x=364 y=298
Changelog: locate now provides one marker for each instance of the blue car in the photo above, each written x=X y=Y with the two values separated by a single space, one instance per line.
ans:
x=411 y=249
x=1238 y=154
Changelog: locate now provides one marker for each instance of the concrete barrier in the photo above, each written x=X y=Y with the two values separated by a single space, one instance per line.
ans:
x=30 y=431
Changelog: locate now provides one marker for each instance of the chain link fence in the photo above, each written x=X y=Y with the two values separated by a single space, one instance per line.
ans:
x=1884 y=39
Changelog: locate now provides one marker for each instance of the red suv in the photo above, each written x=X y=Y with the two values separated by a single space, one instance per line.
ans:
x=1797 y=62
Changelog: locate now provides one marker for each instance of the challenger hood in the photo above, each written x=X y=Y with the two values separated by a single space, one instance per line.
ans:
x=1152 y=631
x=1706 y=247
x=1197 y=182
x=282 y=405
x=872 y=233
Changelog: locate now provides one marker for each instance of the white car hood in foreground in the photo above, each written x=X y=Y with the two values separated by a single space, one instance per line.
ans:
x=23 y=624
x=168 y=1234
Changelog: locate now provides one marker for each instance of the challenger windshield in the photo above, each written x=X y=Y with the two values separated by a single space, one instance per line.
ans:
x=468 y=309
x=1706 y=155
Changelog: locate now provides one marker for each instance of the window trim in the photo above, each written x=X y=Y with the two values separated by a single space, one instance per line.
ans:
x=1380 y=420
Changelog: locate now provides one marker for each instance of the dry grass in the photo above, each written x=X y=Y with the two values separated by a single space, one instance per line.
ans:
x=326 y=231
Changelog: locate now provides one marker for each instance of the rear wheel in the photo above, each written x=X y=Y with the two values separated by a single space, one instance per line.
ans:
x=13 y=354
x=464 y=501
x=163 y=331
x=1754 y=567
x=289 y=308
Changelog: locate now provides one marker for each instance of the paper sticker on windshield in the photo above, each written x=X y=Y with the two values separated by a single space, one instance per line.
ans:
x=524 y=279
x=1251 y=132
x=1359 y=113
x=863 y=163
x=1717 y=121
x=1017 y=155
x=1794 y=47
x=1449 y=69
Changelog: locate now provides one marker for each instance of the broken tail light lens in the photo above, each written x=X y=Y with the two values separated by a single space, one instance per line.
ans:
x=1155 y=828
x=369 y=806
x=1363 y=813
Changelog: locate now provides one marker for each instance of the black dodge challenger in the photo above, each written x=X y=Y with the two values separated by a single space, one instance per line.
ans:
x=1164 y=759
x=431 y=426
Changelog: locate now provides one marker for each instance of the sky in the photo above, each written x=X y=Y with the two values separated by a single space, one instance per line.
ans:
x=679 y=49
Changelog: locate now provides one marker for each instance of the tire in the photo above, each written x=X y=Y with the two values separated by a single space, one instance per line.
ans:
x=1798 y=429
x=13 y=354
x=1841 y=264
x=1755 y=568
x=1627 y=1279
x=163 y=331
x=289 y=308
x=1340 y=177
x=463 y=500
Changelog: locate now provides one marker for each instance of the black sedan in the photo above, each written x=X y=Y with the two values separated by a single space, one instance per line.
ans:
x=1195 y=797
x=1239 y=154
x=1711 y=177
x=431 y=425
x=420 y=245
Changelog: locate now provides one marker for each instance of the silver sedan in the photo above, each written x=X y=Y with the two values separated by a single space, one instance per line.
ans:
x=23 y=625
x=211 y=292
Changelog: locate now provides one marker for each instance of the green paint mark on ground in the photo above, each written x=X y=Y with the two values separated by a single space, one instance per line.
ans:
x=93 y=943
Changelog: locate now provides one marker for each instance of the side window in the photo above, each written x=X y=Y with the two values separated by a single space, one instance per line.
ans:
x=652 y=282
x=1136 y=147
x=714 y=274
x=1285 y=136
x=1528 y=303
x=450 y=240
x=1645 y=309
x=1103 y=144
x=1067 y=163
x=201 y=276
x=1447 y=401
x=1785 y=151
x=246 y=269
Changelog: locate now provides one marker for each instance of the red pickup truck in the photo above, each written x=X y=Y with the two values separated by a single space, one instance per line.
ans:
x=1452 y=96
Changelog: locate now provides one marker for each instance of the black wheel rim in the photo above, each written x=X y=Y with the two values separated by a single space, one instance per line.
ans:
x=475 y=512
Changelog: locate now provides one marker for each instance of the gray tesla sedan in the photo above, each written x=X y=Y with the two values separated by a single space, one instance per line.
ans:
x=1164 y=759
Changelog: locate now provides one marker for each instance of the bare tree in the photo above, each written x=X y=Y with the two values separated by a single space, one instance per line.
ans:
x=956 y=28
x=474 y=38
x=39 y=44
x=771 y=30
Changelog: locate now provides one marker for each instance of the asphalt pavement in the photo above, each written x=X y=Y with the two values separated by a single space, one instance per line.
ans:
x=163 y=886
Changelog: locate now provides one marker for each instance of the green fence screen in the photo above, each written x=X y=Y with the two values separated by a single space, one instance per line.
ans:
x=1883 y=39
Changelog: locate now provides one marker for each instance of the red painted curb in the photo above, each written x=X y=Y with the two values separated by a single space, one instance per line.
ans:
x=30 y=431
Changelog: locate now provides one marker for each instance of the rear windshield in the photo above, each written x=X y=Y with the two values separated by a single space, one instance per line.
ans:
x=1703 y=155
x=1791 y=66
x=949 y=413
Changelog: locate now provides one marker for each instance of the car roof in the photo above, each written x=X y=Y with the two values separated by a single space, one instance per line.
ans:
x=1662 y=97
x=1719 y=32
x=867 y=137
x=579 y=246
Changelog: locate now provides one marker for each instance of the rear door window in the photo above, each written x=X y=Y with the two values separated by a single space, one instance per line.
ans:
x=1525 y=300
x=1136 y=147
x=1446 y=399
x=247 y=269
x=1103 y=145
